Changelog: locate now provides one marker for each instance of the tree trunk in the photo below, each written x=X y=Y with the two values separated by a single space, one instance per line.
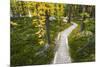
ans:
x=82 y=25
x=47 y=27
x=69 y=13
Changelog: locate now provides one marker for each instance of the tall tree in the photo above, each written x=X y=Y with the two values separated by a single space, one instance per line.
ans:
x=82 y=26
x=69 y=13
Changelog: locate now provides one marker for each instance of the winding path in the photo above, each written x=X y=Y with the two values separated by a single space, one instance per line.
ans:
x=62 y=55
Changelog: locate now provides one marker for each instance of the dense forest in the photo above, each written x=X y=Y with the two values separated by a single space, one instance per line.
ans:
x=35 y=26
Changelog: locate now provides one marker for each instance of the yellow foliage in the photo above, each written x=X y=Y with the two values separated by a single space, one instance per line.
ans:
x=38 y=32
x=41 y=42
x=40 y=26
x=40 y=13
x=34 y=14
x=13 y=23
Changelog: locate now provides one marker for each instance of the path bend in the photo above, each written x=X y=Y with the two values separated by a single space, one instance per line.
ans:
x=62 y=55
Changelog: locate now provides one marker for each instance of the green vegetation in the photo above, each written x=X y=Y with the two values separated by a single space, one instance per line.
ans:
x=24 y=47
x=24 y=44
x=33 y=34
x=82 y=44
x=55 y=28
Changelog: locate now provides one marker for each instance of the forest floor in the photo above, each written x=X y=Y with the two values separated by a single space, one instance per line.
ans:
x=62 y=55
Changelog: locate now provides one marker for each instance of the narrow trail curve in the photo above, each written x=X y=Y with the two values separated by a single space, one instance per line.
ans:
x=62 y=54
